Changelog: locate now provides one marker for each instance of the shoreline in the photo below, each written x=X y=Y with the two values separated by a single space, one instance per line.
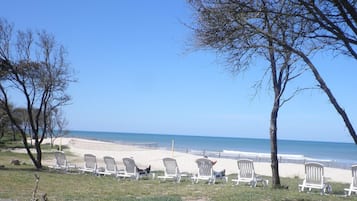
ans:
x=342 y=155
x=145 y=156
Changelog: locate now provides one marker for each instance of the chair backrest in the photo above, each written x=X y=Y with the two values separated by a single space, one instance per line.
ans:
x=90 y=161
x=61 y=160
x=314 y=173
x=354 y=176
x=110 y=164
x=245 y=168
x=204 y=167
x=130 y=166
x=171 y=167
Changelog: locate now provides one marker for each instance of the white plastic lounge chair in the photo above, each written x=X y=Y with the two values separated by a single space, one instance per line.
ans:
x=129 y=169
x=132 y=171
x=110 y=167
x=353 y=185
x=205 y=171
x=90 y=164
x=246 y=173
x=314 y=178
x=171 y=170
x=61 y=162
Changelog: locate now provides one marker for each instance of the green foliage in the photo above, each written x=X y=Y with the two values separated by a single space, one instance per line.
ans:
x=7 y=142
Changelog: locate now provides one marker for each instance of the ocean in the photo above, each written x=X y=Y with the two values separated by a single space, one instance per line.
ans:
x=333 y=154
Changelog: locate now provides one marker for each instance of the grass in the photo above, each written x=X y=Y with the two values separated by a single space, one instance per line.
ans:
x=18 y=182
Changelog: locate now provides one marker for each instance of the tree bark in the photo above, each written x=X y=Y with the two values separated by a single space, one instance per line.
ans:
x=274 y=145
x=276 y=81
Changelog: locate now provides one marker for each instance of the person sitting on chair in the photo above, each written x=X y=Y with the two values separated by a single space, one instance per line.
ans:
x=217 y=174
x=213 y=162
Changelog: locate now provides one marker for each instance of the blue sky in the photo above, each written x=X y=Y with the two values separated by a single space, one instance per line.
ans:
x=137 y=73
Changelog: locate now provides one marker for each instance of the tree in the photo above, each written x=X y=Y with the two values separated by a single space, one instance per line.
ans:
x=317 y=38
x=240 y=29
x=221 y=25
x=5 y=123
x=33 y=67
x=335 y=25
x=57 y=124
x=335 y=22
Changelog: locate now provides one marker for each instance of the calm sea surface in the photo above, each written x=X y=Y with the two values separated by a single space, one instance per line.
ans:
x=329 y=153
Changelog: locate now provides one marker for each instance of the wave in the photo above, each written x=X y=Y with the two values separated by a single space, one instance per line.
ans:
x=267 y=155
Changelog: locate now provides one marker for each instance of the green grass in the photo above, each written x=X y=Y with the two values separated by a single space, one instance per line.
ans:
x=6 y=142
x=18 y=182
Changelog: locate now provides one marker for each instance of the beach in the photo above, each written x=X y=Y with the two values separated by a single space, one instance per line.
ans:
x=145 y=156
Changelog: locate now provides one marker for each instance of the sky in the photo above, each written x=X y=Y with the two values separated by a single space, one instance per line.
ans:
x=137 y=71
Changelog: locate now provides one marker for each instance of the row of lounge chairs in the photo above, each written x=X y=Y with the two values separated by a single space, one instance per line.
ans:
x=314 y=172
x=130 y=170
x=171 y=169
x=90 y=166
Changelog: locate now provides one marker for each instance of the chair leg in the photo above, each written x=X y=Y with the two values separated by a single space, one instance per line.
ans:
x=322 y=191
x=301 y=188
x=265 y=183
x=178 y=179
x=254 y=184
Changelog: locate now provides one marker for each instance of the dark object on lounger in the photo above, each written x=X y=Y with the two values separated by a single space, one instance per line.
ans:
x=145 y=171
x=220 y=174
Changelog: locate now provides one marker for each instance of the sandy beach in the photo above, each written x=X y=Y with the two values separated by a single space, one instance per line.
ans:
x=186 y=162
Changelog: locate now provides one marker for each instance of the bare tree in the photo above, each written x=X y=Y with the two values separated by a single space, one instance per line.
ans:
x=34 y=67
x=335 y=22
x=231 y=27
x=57 y=124
x=335 y=25
x=316 y=37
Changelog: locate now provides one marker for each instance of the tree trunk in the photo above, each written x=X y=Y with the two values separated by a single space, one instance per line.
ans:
x=13 y=132
x=331 y=97
x=34 y=160
x=39 y=154
x=274 y=112
x=274 y=145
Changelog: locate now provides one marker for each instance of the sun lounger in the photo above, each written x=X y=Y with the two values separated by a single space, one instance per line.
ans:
x=110 y=167
x=62 y=163
x=246 y=174
x=132 y=171
x=206 y=172
x=171 y=170
x=129 y=169
x=90 y=164
x=314 y=178
x=353 y=185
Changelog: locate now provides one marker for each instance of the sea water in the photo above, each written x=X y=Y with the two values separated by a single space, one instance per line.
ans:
x=333 y=154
